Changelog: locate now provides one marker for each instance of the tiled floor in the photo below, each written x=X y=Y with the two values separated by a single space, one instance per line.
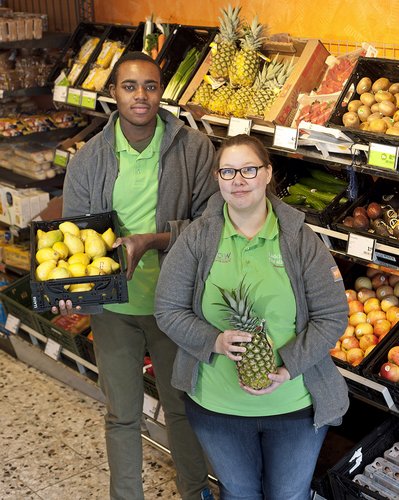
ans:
x=52 y=442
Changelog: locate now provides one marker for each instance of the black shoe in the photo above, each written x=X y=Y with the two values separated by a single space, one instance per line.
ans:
x=207 y=494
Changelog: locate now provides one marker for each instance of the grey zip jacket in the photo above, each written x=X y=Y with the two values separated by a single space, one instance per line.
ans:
x=185 y=175
x=321 y=306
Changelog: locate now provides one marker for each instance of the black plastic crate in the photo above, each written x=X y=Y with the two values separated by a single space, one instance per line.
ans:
x=87 y=348
x=373 y=194
x=70 y=341
x=128 y=35
x=107 y=289
x=17 y=300
x=364 y=453
x=83 y=31
x=373 y=68
x=378 y=359
x=177 y=45
x=290 y=174
x=150 y=387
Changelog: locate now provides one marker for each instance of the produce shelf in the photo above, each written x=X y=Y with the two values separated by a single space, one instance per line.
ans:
x=19 y=181
x=49 y=40
x=29 y=92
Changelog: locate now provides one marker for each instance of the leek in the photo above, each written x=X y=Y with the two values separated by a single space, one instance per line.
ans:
x=182 y=75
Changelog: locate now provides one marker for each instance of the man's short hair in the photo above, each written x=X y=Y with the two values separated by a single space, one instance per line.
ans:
x=135 y=56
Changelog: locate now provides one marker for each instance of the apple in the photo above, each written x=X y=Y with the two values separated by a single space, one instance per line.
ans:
x=349 y=343
x=355 y=356
x=338 y=353
x=393 y=355
x=374 y=316
x=363 y=329
x=368 y=350
x=393 y=279
x=357 y=317
x=388 y=302
x=365 y=293
x=384 y=291
x=390 y=371
x=367 y=340
x=355 y=306
x=382 y=327
x=349 y=332
x=378 y=280
x=372 y=304
x=363 y=282
x=393 y=314
x=370 y=273
x=396 y=290
x=350 y=295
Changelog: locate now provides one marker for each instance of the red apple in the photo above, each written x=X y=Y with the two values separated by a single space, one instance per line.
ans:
x=365 y=293
x=381 y=327
x=374 y=316
x=338 y=353
x=371 y=272
x=390 y=371
x=368 y=350
x=371 y=304
x=378 y=280
x=355 y=356
x=393 y=355
x=393 y=279
x=367 y=340
x=355 y=306
x=349 y=332
x=349 y=343
x=357 y=317
x=388 y=302
x=393 y=314
x=350 y=295
x=363 y=329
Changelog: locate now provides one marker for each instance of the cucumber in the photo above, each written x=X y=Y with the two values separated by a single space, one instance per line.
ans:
x=311 y=200
x=321 y=186
x=323 y=176
x=299 y=188
x=294 y=199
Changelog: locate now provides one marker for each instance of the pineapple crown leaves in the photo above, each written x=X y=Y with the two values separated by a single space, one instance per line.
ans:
x=229 y=24
x=253 y=35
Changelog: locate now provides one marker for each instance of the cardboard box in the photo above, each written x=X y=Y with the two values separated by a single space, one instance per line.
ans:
x=17 y=256
x=308 y=71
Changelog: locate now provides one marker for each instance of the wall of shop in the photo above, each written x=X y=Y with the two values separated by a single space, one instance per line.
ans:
x=355 y=21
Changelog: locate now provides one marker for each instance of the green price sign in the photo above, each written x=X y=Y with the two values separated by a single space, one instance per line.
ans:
x=74 y=97
x=89 y=99
x=383 y=156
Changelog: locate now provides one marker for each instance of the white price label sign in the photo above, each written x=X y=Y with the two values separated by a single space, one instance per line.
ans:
x=285 y=137
x=12 y=323
x=175 y=110
x=361 y=246
x=89 y=99
x=150 y=405
x=53 y=349
x=239 y=126
x=60 y=93
x=383 y=156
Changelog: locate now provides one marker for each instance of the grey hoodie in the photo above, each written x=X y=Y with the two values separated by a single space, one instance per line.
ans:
x=185 y=175
x=320 y=304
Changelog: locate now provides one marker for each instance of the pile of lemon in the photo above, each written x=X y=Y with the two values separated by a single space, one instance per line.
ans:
x=71 y=252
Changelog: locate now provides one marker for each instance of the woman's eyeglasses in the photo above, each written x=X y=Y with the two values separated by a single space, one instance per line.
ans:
x=228 y=174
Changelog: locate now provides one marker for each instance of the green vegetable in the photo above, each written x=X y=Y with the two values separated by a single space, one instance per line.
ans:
x=311 y=200
x=182 y=75
x=326 y=177
x=294 y=199
x=307 y=191
x=320 y=185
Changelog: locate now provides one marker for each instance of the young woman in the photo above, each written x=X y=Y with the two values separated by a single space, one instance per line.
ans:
x=251 y=261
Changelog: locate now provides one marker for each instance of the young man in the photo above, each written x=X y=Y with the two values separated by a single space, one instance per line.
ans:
x=156 y=173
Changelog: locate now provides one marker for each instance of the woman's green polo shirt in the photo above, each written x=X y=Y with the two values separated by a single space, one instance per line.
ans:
x=258 y=261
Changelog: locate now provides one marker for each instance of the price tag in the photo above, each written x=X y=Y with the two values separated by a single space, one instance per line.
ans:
x=175 y=110
x=161 y=416
x=60 y=93
x=150 y=405
x=61 y=158
x=12 y=323
x=89 y=99
x=361 y=246
x=285 y=137
x=53 y=349
x=381 y=155
x=74 y=97
x=239 y=126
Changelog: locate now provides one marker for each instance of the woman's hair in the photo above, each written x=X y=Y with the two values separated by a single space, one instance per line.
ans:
x=257 y=147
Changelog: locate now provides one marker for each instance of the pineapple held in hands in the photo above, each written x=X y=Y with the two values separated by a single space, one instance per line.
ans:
x=258 y=360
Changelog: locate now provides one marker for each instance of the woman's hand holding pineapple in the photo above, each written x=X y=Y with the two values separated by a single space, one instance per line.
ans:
x=227 y=341
x=277 y=379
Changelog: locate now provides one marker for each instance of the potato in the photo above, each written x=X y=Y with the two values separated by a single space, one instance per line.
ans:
x=387 y=108
x=350 y=119
x=394 y=88
x=392 y=131
x=388 y=121
x=396 y=116
x=374 y=116
x=354 y=105
x=365 y=126
x=367 y=99
x=378 y=125
x=384 y=95
x=363 y=113
x=364 y=85
x=375 y=107
x=381 y=84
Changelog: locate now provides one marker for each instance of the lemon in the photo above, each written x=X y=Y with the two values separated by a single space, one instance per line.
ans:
x=69 y=227
x=80 y=257
x=58 y=273
x=85 y=233
x=81 y=287
x=103 y=264
x=109 y=237
x=77 y=269
x=94 y=271
x=61 y=249
x=74 y=244
x=48 y=239
x=95 y=247
x=46 y=254
x=44 y=268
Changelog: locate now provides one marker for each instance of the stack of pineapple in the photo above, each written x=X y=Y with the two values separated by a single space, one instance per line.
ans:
x=236 y=84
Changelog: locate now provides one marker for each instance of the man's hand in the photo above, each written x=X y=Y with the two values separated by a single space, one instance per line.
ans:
x=226 y=343
x=65 y=307
x=277 y=379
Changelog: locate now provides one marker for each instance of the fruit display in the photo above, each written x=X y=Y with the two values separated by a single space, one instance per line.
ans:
x=71 y=252
x=373 y=304
x=390 y=369
x=258 y=360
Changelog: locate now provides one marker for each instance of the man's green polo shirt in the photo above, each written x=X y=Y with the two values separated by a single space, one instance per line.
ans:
x=135 y=198
x=258 y=261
